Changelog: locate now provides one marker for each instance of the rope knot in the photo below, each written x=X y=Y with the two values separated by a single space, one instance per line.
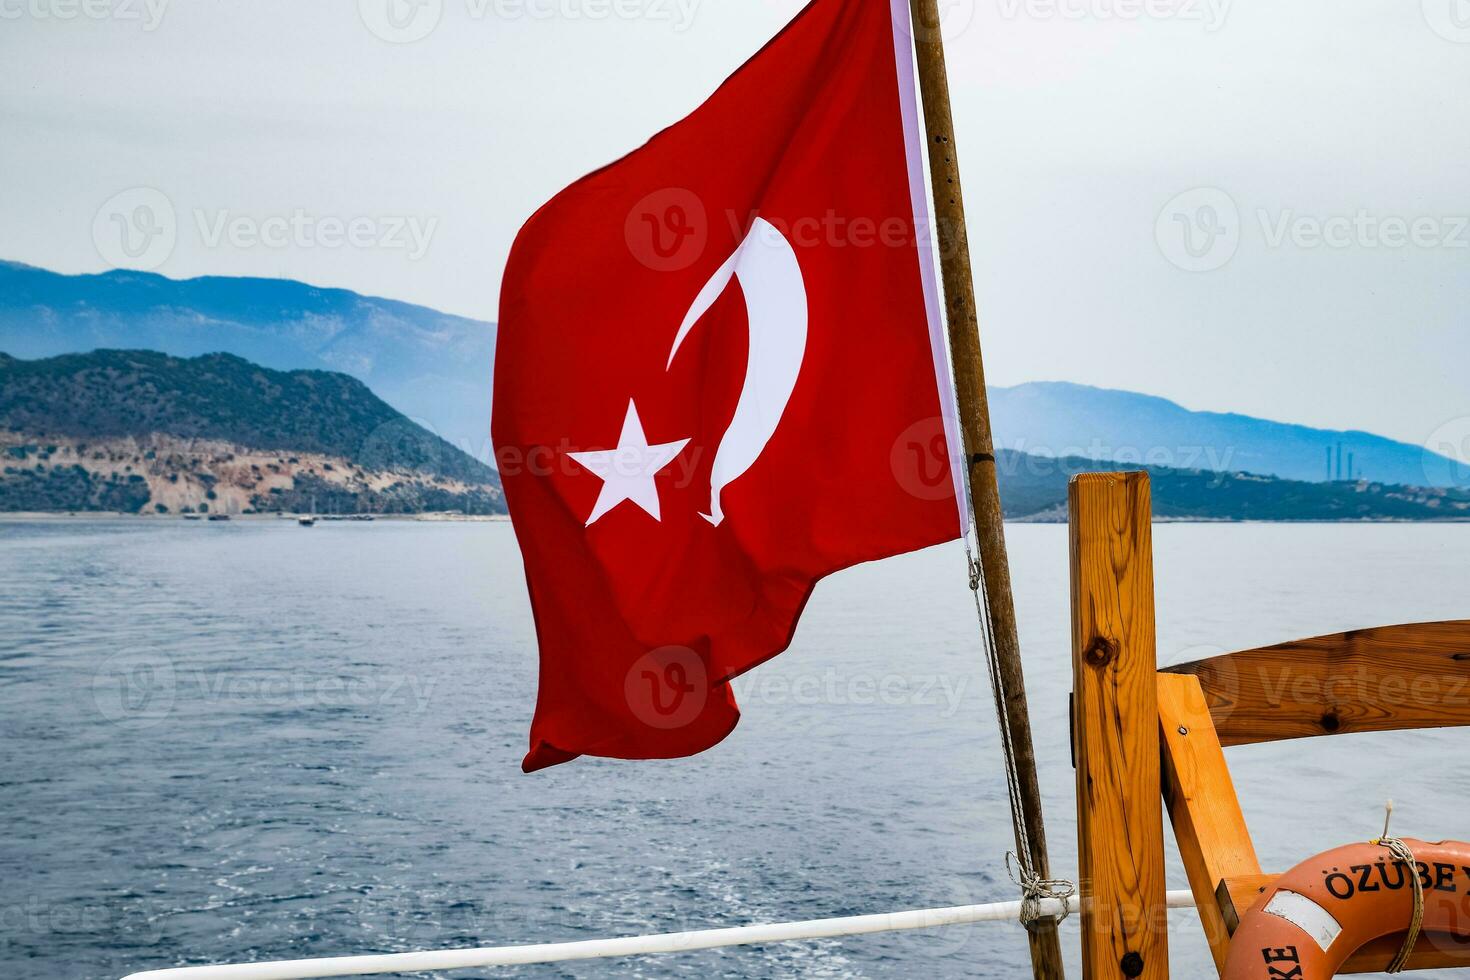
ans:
x=1035 y=888
x=1401 y=851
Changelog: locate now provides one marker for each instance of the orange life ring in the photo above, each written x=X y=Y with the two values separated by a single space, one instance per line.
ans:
x=1323 y=910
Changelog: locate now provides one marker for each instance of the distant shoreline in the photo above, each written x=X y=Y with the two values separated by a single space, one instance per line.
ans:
x=19 y=517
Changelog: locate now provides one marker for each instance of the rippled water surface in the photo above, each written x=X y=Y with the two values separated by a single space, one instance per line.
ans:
x=253 y=740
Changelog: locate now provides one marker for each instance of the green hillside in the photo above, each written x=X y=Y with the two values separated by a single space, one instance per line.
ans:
x=1035 y=488
x=108 y=393
x=140 y=431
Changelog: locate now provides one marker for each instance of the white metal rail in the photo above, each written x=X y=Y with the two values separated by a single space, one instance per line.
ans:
x=669 y=942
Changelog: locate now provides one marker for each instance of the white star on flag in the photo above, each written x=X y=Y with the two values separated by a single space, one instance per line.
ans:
x=627 y=472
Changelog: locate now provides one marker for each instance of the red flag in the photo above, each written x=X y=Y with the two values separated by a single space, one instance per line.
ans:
x=718 y=378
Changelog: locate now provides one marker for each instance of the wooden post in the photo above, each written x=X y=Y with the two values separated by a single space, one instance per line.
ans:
x=1120 y=827
x=974 y=418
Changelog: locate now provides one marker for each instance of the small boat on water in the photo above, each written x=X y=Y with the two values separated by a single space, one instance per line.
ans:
x=306 y=521
x=219 y=517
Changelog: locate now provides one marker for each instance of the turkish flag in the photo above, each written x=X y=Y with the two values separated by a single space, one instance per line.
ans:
x=718 y=378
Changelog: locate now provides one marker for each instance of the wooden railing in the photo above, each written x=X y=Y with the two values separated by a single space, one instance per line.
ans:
x=1137 y=731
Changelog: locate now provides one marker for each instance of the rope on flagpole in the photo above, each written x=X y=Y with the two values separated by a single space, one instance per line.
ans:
x=967 y=381
x=1034 y=888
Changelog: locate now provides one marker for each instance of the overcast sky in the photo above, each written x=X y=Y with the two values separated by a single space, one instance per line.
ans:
x=1081 y=123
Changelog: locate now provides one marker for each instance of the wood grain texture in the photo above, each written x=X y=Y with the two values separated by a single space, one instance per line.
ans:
x=1120 y=833
x=1432 y=952
x=1371 y=680
x=1214 y=842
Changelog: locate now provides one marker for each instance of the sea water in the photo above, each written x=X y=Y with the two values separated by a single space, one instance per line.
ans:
x=252 y=740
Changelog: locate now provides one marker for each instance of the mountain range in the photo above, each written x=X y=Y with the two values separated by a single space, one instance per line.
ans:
x=431 y=366
x=140 y=431
x=1062 y=419
x=143 y=431
x=1034 y=488
x=435 y=368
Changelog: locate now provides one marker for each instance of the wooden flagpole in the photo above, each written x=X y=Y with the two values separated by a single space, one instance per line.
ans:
x=974 y=412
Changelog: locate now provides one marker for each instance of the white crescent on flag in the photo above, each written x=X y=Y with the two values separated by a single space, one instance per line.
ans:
x=776 y=308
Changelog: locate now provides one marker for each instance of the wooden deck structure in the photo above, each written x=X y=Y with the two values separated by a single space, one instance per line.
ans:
x=1138 y=731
